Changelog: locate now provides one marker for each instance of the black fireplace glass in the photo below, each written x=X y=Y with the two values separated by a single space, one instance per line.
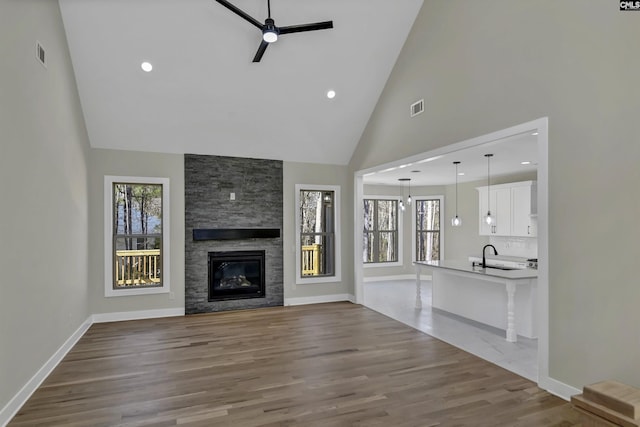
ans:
x=236 y=275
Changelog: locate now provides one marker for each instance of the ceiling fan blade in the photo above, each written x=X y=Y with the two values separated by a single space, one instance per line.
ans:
x=241 y=13
x=260 y=52
x=306 y=27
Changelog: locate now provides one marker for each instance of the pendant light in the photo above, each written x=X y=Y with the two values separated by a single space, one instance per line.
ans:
x=489 y=219
x=403 y=180
x=456 y=221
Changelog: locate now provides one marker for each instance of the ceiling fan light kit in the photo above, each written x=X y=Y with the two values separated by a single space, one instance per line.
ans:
x=271 y=32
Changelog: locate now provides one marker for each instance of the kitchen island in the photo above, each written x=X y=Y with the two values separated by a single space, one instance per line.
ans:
x=504 y=299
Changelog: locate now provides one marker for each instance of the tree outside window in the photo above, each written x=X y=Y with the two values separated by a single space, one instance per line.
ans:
x=136 y=235
x=380 y=235
x=317 y=233
x=427 y=226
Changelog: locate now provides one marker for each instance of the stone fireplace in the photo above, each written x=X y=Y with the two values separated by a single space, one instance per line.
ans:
x=233 y=243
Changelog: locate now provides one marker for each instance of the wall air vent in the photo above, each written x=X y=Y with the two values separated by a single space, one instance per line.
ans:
x=417 y=108
x=40 y=54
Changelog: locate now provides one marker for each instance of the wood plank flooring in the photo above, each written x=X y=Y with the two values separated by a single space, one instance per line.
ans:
x=335 y=364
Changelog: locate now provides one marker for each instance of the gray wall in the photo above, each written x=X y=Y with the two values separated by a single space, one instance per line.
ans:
x=485 y=66
x=307 y=173
x=133 y=163
x=43 y=191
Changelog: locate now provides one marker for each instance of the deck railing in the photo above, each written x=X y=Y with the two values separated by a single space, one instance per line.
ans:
x=311 y=260
x=137 y=267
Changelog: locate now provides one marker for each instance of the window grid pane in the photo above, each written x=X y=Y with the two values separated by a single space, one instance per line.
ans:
x=388 y=246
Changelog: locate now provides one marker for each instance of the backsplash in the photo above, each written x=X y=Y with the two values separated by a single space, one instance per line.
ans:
x=526 y=247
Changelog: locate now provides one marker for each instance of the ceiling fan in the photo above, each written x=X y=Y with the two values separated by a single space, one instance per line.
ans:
x=270 y=31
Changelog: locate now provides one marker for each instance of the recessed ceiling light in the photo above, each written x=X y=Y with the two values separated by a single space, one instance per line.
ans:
x=460 y=173
x=525 y=163
x=146 y=66
x=331 y=94
x=534 y=134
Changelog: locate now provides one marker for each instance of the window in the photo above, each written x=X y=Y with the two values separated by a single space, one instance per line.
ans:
x=136 y=235
x=318 y=234
x=381 y=231
x=428 y=235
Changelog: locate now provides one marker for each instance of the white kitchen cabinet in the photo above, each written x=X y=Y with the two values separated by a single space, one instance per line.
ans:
x=513 y=207
x=500 y=206
x=523 y=210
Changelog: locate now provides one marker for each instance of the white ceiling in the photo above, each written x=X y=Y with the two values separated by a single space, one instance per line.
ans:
x=508 y=155
x=205 y=95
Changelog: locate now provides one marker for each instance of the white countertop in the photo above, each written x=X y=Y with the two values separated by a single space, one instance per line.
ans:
x=465 y=266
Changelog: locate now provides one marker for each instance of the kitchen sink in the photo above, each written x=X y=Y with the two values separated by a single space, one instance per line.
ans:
x=497 y=267
x=503 y=268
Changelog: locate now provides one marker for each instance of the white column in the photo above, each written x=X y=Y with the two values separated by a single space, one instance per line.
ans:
x=418 y=295
x=512 y=335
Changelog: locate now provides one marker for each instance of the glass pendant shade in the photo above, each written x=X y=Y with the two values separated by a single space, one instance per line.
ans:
x=456 y=221
x=488 y=218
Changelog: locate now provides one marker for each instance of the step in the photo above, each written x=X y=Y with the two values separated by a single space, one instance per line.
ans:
x=610 y=402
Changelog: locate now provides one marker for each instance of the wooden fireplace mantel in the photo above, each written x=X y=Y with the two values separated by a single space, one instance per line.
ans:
x=234 y=233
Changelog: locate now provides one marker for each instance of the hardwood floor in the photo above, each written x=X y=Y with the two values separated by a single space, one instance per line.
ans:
x=335 y=364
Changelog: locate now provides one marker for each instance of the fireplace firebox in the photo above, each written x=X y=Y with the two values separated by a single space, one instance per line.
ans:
x=236 y=275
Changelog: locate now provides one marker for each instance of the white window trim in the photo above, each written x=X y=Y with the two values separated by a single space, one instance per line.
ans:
x=338 y=242
x=109 y=180
x=398 y=263
x=413 y=224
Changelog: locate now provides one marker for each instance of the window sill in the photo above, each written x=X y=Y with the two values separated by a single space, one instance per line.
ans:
x=314 y=280
x=135 y=291
x=382 y=264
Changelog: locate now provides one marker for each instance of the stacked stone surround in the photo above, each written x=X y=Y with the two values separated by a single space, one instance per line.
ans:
x=257 y=184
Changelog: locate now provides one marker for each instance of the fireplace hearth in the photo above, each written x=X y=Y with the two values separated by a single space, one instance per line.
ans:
x=236 y=275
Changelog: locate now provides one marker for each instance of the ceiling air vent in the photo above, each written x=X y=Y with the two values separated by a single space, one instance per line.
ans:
x=40 y=54
x=417 y=108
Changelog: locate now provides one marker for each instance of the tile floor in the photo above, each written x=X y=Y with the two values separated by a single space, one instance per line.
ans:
x=397 y=299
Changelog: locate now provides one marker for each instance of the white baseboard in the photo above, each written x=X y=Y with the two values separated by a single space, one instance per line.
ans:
x=137 y=315
x=558 y=388
x=320 y=299
x=396 y=277
x=14 y=405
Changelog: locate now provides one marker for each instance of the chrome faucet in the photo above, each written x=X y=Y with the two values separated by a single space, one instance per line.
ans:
x=484 y=260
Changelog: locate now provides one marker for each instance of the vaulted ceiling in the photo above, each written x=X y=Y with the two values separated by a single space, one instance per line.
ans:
x=206 y=96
